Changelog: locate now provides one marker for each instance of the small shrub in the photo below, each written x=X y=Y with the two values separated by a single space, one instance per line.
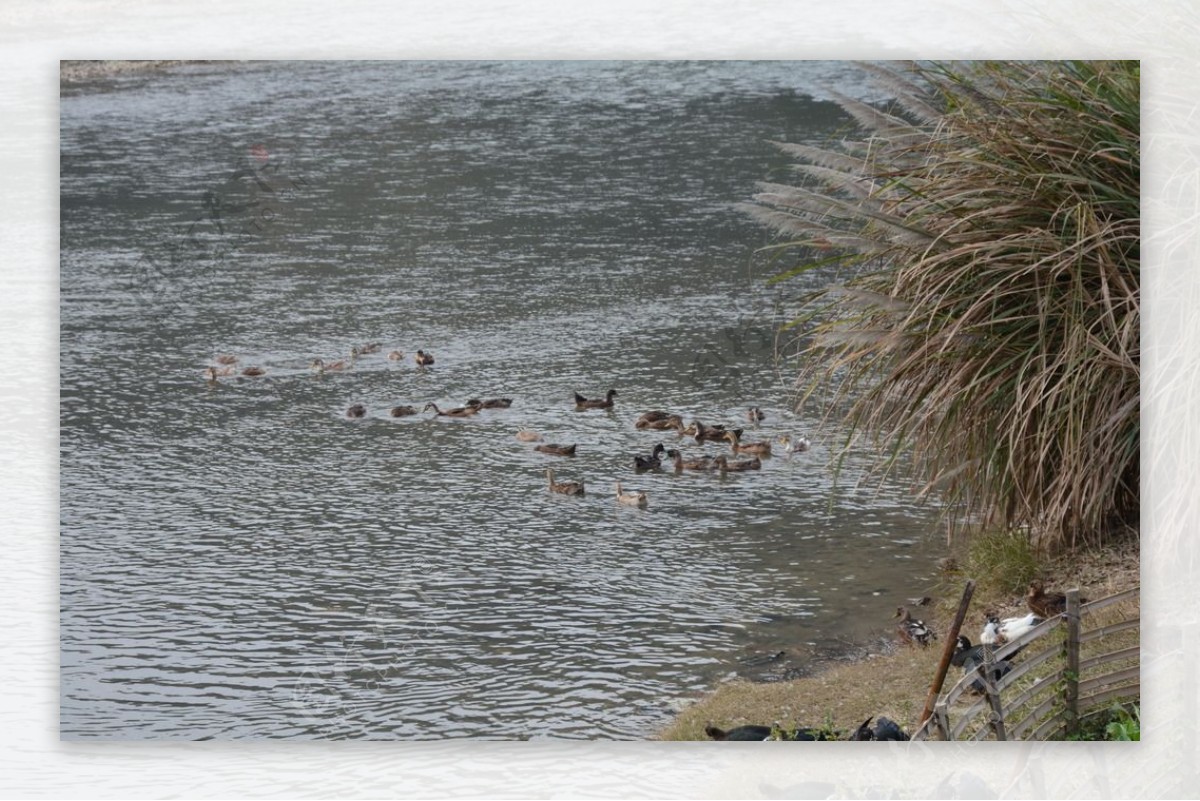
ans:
x=1124 y=724
x=1002 y=561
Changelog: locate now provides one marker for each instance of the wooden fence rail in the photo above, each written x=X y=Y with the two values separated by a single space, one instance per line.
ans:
x=1083 y=667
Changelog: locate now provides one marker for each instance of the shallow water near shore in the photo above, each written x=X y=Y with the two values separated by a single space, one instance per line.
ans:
x=239 y=559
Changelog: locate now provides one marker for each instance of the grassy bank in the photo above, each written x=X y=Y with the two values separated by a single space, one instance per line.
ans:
x=895 y=681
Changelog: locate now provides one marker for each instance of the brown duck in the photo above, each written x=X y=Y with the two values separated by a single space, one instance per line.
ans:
x=734 y=438
x=555 y=449
x=459 y=411
x=564 y=487
x=646 y=419
x=913 y=631
x=1046 y=604
x=737 y=465
x=671 y=421
x=681 y=464
x=583 y=403
x=703 y=433
x=491 y=403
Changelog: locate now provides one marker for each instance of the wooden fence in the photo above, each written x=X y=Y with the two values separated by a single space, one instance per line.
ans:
x=1081 y=670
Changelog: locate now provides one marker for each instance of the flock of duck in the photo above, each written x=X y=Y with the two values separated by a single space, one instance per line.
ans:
x=996 y=632
x=227 y=366
x=972 y=659
x=969 y=657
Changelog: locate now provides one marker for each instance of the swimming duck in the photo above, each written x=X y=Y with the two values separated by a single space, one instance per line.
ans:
x=651 y=462
x=557 y=450
x=357 y=410
x=254 y=372
x=734 y=438
x=583 y=403
x=637 y=499
x=491 y=403
x=213 y=373
x=226 y=358
x=755 y=415
x=646 y=419
x=1046 y=604
x=913 y=631
x=525 y=435
x=424 y=358
x=702 y=433
x=564 y=487
x=681 y=464
x=396 y=355
x=794 y=444
x=321 y=367
x=737 y=465
x=998 y=632
x=403 y=411
x=459 y=411
x=362 y=350
x=670 y=421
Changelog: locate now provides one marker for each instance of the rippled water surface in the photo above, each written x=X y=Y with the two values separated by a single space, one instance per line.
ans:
x=238 y=559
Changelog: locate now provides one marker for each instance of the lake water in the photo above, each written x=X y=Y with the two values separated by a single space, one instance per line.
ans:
x=239 y=559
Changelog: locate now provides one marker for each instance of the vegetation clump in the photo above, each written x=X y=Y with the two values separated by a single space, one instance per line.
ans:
x=985 y=231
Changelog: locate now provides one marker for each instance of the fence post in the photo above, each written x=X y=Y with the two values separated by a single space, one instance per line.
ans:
x=1071 y=672
x=993 y=694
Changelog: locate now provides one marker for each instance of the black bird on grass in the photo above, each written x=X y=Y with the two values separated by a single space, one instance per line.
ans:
x=760 y=733
x=885 y=729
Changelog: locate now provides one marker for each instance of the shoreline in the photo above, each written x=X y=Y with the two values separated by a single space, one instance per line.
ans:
x=893 y=681
x=78 y=75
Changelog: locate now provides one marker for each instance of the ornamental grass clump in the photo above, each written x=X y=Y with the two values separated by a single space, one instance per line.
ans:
x=984 y=233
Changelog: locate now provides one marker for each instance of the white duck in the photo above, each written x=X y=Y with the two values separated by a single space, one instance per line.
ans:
x=998 y=632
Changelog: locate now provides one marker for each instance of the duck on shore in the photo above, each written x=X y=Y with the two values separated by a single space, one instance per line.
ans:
x=753 y=733
x=1046 y=604
x=997 y=631
x=911 y=630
